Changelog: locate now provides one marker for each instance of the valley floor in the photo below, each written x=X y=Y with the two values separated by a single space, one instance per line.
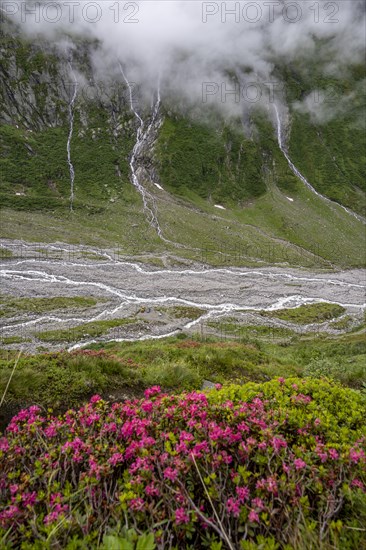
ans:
x=57 y=297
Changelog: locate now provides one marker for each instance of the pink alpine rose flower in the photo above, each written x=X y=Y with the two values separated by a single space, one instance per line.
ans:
x=253 y=516
x=233 y=506
x=154 y=390
x=299 y=464
x=181 y=516
x=171 y=473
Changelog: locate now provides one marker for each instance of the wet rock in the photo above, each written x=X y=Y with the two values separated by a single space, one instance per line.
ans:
x=207 y=385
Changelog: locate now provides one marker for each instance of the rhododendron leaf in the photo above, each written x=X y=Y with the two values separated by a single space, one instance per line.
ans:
x=146 y=542
x=111 y=542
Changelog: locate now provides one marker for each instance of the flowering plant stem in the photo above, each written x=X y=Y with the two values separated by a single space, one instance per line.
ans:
x=10 y=377
x=212 y=506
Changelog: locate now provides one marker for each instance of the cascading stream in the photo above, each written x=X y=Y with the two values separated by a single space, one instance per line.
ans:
x=300 y=176
x=141 y=137
x=71 y=129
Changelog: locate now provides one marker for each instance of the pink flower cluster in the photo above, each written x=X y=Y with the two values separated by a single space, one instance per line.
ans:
x=156 y=460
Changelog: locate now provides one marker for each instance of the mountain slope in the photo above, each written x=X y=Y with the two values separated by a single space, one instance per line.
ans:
x=196 y=162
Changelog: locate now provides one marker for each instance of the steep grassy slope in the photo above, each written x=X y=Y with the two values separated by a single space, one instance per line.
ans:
x=329 y=146
x=34 y=170
x=216 y=163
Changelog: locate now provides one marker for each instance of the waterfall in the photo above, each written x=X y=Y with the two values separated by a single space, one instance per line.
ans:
x=300 y=176
x=141 y=137
x=71 y=129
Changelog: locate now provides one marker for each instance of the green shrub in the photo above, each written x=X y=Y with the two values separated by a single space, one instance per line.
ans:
x=280 y=465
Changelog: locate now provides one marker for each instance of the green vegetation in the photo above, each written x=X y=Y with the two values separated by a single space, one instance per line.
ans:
x=61 y=380
x=93 y=256
x=92 y=329
x=126 y=369
x=148 y=474
x=343 y=323
x=8 y=340
x=120 y=371
x=233 y=327
x=308 y=313
x=182 y=312
x=10 y=306
x=275 y=465
x=35 y=173
x=5 y=253
x=362 y=325
x=344 y=356
x=33 y=161
x=217 y=163
x=330 y=151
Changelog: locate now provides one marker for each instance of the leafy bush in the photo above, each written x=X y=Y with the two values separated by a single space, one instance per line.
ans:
x=324 y=367
x=274 y=465
x=349 y=373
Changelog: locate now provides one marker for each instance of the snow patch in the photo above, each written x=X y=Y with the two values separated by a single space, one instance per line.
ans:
x=158 y=186
x=290 y=199
x=219 y=206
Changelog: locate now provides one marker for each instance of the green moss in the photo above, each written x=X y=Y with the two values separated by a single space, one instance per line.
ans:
x=5 y=253
x=182 y=312
x=5 y=341
x=10 y=306
x=308 y=313
x=87 y=330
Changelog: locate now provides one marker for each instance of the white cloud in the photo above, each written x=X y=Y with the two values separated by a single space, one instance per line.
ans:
x=171 y=39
